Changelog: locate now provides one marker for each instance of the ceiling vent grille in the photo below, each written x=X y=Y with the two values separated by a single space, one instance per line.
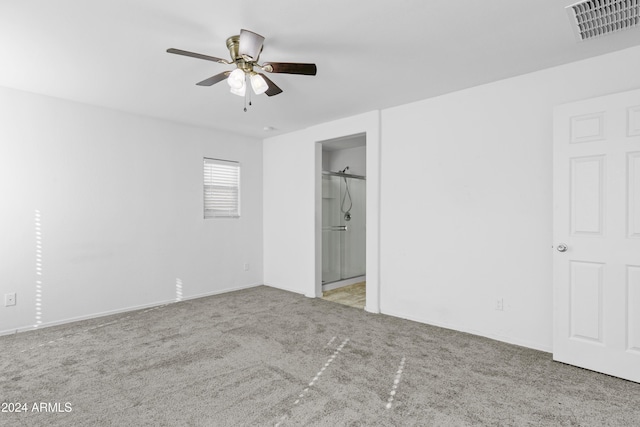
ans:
x=595 y=18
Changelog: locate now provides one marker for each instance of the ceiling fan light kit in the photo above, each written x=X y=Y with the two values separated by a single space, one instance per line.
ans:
x=258 y=84
x=240 y=91
x=236 y=79
x=250 y=45
x=245 y=50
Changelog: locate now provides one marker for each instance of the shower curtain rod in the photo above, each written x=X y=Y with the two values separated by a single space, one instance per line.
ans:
x=344 y=175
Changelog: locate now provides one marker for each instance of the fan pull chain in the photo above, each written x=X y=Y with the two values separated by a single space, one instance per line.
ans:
x=246 y=93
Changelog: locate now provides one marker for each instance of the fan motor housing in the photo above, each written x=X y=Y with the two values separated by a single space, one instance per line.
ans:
x=233 y=43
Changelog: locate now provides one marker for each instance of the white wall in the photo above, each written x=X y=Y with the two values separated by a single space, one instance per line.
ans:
x=467 y=200
x=292 y=206
x=355 y=158
x=120 y=203
x=465 y=195
x=464 y=181
x=289 y=212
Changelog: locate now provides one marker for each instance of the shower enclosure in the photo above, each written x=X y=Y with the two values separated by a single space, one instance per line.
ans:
x=343 y=226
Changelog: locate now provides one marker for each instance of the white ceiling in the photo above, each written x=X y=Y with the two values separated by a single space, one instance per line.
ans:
x=370 y=54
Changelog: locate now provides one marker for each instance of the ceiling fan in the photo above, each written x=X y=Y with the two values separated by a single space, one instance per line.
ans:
x=245 y=50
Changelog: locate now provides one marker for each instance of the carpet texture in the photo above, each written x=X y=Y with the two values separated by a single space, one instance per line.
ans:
x=264 y=357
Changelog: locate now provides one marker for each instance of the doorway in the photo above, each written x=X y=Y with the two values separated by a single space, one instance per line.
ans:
x=344 y=220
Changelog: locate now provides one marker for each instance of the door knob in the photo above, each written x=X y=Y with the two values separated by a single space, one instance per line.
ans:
x=562 y=247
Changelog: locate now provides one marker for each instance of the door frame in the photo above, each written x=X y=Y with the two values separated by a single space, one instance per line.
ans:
x=369 y=125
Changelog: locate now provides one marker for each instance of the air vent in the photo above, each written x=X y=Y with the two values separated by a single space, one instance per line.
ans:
x=595 y=18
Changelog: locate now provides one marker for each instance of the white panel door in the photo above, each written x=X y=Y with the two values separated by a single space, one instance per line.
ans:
x=597 y=234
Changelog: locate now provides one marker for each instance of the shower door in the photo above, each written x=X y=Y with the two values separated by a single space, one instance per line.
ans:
x=343 y=227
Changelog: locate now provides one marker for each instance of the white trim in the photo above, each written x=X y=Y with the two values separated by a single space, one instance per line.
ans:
x=317 y=290
x=293 y=291
x=374 y=212
x=123 y=310
x=370 y=124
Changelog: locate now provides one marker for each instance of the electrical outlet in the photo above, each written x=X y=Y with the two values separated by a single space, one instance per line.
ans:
x=9 y=299
x=246 y=266
x=500 y=304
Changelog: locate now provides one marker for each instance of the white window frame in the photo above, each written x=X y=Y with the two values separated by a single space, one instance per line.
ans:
x=221 y=180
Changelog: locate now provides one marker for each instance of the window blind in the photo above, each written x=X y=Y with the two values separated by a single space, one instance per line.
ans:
x=221 y=188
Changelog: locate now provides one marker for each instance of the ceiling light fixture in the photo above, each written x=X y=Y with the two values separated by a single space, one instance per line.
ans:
x=258 y=84
x=237 y=82
x=236 y=79
x=245 y=51
x=240 y=91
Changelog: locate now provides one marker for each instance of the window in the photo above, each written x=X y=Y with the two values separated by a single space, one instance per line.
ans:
x=221 y=188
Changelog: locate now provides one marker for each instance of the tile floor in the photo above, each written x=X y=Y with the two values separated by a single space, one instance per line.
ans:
x=352 y=295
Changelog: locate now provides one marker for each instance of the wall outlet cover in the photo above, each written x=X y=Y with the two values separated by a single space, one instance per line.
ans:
x=9 y=299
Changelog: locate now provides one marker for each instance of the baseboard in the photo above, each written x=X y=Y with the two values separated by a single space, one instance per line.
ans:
x=368 y=310
x=295 y=291
x=123 y=310
x=508 y=340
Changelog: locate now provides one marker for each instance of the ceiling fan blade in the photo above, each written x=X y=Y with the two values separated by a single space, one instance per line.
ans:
x=273 y=88
x=250 y=44
x=215 y=79
x=291 y=68
x=196 y=55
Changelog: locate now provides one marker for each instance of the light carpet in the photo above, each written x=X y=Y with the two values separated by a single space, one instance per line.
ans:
x=265 y=357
